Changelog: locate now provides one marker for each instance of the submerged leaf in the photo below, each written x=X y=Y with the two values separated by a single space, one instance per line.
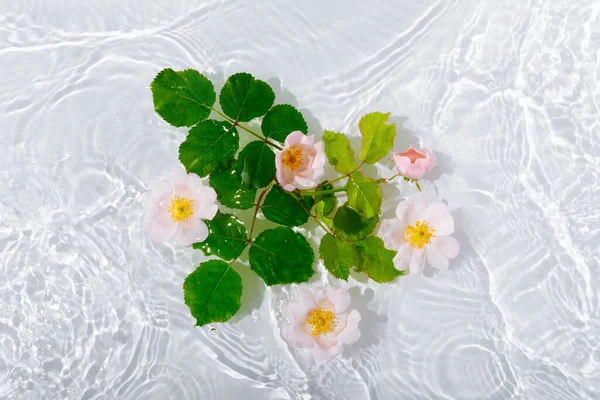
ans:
x=230 y=191
x=282 y=120
x=364 y=195
x=212 y=292
x=286 y=209
x=210 y=146
x=182 y=98
x=338 y=256
x=377 y=137
x=376 y=261
x=226 y=239
x=339 y=153
x=244 y=97
x=281 y=256
x=351 y=226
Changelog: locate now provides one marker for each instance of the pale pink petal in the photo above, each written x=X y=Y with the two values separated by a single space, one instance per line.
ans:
x=439 y=218
x=327 y=340
x=198 y=233
x=205 y=195
x=403 y=257
x=435 y=259
x=402 y=164
x=194 y=182
x=306 y=327
x=415 y=210
x=207 y=211
x=392 y=233
x=293 y=139
x=430 y=156
x=326 y=304
x=351 y=333
x=297 y=337
x=178 y=176
x=303 y=305
x=401 y=209
x=340 y=322
x=164 y=202
x=319 y=293
x=417 y=262
x=308 y=140
x=159 y=228
x=416 y=170
x=322 y=354
x=164 y=219
x=320 y=159
x=159 y=187
x=446 y=246
x=339 y=297
x=288 y=175
x=306 y=183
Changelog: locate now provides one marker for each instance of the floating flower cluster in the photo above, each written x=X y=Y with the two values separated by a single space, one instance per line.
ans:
x=280 y=174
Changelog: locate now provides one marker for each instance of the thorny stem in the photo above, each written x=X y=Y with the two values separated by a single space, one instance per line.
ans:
x=257 y=206
x=236 y=123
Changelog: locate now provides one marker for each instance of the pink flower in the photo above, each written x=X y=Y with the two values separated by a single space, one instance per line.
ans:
x=413 y=163
x=420 y=231
x=321 y=321
x=301 y=162
x=175 y=208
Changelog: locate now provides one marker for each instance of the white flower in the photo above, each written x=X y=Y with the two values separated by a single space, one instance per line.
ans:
x=175 y=208
x=420 y=232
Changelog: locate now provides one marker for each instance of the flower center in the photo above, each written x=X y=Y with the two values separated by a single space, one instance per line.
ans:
x=321 y=320
x=292 y=157
x=181 y=209
x=418 y=235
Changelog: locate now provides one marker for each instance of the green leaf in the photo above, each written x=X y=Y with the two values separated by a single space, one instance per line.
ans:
x=210 y=146
x=244 y=98
x=212 y=292
x=282 y=120
x=286 y=209
x=256 y=165
x=339 y=153
x=281 y=256
x=350 y=225
x=325 y=203
x=230 y=191
x=226 y=239
x=364 y=195
x=377 y=137
x=182 y=98
x=338 y=256
x=376 y=261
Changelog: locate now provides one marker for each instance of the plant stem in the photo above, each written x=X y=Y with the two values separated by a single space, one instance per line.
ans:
x=311 y=215
x=387 y=180
x=313 y=193
x=236 y=123
x=257 y=206
x=339 y=178
x=417 y=183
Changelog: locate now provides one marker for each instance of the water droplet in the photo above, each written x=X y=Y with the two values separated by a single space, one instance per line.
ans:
x=213 y=331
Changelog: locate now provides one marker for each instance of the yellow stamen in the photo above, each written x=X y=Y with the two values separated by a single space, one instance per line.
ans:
x=292 y=157
x=181 y=209
x=419 y=235
x=321 y=320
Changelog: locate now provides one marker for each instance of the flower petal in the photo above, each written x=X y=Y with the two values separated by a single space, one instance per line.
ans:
x=417 y=262
x=403 y=257
x=178 y=176
x=301 y=307
x=340 y=323
x=435 y=259
x=439 y=218
x=392 y=233
x=308 y=140
x=339 y=297
x=306 y=183
x=207 y=211
x=160 y=229
x=351 y=333
x=293 y=139
x=415 y=210
x=319 y=161
x=326 y=304
x=327 y=340
x=402 y=164
x=297 y=337
x=446 y=246
x=186 y=237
